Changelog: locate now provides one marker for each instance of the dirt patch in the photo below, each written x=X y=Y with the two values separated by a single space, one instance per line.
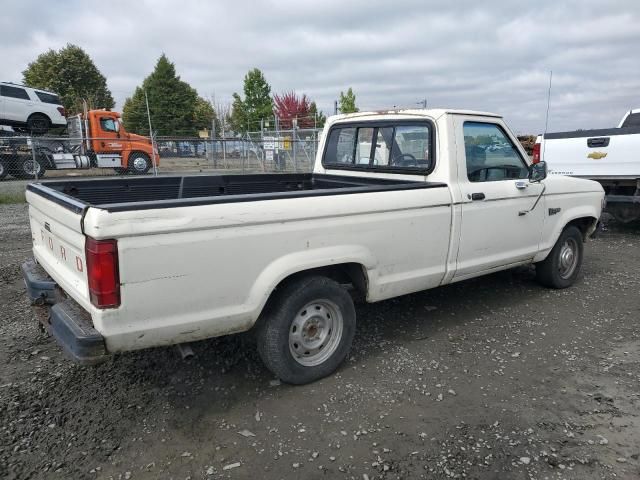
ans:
x=491 y=378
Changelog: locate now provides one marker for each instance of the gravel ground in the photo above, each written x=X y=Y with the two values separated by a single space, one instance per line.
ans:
x=491 y=378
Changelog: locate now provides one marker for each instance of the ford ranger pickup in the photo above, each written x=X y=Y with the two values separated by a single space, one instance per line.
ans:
x=398 y=202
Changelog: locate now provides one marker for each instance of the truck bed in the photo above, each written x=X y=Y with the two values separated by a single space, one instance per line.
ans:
x=125 y=194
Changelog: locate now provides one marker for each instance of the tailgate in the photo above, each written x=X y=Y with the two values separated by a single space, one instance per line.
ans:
x=594 y=156
x=58 y=243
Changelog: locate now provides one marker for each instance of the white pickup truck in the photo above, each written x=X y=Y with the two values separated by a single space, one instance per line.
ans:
x=609 y=156
x=398 y=202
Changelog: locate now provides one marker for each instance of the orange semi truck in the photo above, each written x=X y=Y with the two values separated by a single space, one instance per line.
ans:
x=97 y=139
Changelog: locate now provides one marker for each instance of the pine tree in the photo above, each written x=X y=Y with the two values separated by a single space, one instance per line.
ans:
x=173 y=104
x=70 y=73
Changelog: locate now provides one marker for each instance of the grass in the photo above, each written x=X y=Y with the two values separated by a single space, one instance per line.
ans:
x=12 y=197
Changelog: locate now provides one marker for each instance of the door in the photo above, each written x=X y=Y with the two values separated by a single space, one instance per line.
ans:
x=16 y=104
x=107 y=138
x=500 y=225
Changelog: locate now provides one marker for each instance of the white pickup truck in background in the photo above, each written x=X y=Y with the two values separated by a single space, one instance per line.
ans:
x=398 y=202
x=610 y=156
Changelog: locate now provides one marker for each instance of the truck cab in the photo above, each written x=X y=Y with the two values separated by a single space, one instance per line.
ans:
x=101 y=136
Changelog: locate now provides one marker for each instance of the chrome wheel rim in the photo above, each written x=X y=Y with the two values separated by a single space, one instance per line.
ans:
x=315 y=333
x=139 y=164
x=29 y=168
x=1 y=169
x=568 y=258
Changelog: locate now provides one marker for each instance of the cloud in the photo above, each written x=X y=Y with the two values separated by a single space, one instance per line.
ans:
x=490 y=55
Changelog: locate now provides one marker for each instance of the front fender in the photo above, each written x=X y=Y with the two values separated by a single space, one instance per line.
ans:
x=555 y=226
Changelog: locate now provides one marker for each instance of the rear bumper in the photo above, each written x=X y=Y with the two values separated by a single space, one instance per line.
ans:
x=67 y=321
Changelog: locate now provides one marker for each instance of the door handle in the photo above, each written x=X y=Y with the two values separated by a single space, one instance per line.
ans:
x=598 y=142
x=477 y=196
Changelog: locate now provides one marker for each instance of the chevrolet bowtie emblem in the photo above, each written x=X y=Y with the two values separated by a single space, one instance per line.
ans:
x=597 y=155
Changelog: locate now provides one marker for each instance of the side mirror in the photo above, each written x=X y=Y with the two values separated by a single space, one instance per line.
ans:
x=537 y=172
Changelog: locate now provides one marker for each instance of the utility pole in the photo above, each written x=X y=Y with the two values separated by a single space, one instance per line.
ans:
x=422 y=102
x=335 y=107
x=153 y=143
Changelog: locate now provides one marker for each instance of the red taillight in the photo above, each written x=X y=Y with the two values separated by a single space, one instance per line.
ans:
x=62 y=111
x=536 y=153
x=102 y=270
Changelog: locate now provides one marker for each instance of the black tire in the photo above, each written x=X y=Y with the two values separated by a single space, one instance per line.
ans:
x=561 y=268
x=136 y=165
x=25 y=169
x=38 y=123
x=298 y=303
x=4 y=170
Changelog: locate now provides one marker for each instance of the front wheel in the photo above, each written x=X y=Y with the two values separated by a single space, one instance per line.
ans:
x=306 y=333
x=562 y=266
x=139 y=163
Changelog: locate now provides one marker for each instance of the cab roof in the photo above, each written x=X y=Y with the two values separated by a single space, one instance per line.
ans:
x=433 y=113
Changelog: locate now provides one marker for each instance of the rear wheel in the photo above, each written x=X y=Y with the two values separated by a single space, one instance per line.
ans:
x=38 y=123
x=3 y=169
x=28 y=168
x=139 y=163
x=306 y=333
x=562 y=266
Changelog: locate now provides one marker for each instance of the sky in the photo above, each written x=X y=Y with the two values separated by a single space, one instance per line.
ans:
x=491 y=55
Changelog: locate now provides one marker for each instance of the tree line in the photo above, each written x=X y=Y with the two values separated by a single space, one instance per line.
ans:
x=176 y=108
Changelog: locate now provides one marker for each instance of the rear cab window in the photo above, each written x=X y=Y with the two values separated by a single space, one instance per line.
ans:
x=48 y=98
x=400 y=146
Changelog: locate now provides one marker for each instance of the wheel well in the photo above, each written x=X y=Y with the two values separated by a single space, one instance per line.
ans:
x=584 y=224
x=41 y=114
x=353 y=274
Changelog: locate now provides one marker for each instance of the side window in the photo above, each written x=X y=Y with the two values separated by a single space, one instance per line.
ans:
x=396 y=146
x=14 y=92
x=490 y=154
x=340 y=146
x=48 y=98
x=108 y=125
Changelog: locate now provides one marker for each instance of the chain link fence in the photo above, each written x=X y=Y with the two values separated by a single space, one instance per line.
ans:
x=34 y=158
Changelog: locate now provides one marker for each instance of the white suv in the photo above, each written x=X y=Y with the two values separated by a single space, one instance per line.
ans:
x=37 y=110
